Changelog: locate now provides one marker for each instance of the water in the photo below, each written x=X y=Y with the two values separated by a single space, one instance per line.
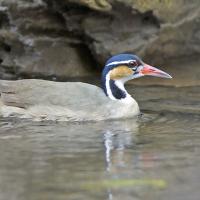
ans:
x=156 y=157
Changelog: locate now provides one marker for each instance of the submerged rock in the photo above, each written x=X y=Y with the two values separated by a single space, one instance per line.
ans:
x=50 y=38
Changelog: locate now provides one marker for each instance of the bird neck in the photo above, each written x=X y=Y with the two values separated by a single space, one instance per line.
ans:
x=115 y=89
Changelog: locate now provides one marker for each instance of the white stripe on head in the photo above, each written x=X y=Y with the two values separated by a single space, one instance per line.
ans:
x=120 y=62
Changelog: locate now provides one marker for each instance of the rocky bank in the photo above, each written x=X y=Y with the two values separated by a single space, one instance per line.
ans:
x=73 y=38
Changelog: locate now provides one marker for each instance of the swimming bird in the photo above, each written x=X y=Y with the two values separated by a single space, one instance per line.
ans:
x=77 y=101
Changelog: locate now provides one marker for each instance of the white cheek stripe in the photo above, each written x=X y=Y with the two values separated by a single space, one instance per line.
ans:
x=108 y=90
x=120 y=62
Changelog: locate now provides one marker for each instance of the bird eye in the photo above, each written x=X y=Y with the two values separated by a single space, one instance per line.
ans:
x=133 y=64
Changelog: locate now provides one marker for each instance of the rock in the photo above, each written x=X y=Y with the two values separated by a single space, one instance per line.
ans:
x=101 y=5
x=177 y=37
x=53 y=58
x=44 y=57
x=39 y=48
x=156 y=30
x=35 y=35
x=128 y=31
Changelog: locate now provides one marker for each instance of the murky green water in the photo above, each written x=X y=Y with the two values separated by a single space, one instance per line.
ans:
x=156 y=157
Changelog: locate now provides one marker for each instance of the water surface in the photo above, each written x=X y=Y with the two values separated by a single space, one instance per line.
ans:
x=154 y=157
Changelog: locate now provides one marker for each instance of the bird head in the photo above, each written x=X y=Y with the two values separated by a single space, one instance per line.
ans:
x=125 y=67
x=122 y=68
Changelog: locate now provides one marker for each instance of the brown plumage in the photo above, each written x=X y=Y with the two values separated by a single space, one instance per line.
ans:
x=120 y=72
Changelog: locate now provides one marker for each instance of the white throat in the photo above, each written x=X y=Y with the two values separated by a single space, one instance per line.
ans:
x=120 y=85
x=128 y=98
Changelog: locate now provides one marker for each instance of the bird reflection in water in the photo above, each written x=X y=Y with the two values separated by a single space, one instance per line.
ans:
x=117 y=141
x=115 y=145
x=122 y=156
